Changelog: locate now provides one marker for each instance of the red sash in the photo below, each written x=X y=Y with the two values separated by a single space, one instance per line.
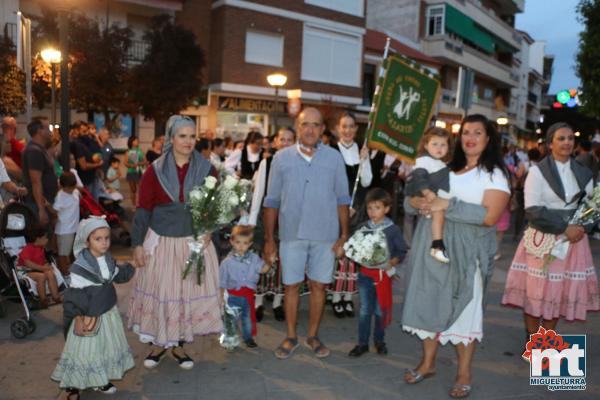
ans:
x=248 y=294
x=383 y=286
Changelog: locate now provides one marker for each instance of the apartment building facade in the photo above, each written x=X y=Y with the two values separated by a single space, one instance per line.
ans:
x=474 y=34
x=318 y=47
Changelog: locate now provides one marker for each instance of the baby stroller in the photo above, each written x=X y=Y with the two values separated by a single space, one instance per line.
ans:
x=14 y=220
x=89 y=206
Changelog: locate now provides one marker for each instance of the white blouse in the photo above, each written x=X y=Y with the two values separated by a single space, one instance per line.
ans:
x=351 y=157
x=539 y=193
x=234 y=161
x=471 y=186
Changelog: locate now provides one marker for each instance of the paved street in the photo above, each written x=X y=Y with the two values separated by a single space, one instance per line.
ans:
x=26 y=365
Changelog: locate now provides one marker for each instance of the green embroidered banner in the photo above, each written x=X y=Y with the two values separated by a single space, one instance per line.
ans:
x=403 y=107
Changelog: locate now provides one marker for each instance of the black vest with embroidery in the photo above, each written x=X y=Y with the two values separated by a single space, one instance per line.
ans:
x=248 y=168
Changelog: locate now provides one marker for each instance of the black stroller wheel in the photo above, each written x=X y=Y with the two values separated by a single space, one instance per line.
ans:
x=30 y=326
x=19 y=328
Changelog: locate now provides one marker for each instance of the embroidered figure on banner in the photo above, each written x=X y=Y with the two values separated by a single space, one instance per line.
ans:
x=407 y=99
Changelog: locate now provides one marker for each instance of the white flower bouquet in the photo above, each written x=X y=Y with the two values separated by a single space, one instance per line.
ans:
x=368 y=247
x=213 y=206
x=588 y=213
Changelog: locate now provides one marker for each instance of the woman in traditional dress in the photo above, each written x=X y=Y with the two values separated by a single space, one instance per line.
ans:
x=356 y=161
x=564 y=285
x=444 y=302
x=166 y=310
x=245 y=162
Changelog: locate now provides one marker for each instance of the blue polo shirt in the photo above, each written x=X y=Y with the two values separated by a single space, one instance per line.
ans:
x=307 y=193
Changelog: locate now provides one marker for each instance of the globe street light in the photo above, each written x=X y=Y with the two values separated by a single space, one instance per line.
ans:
x=276 y=80
x=52 y=57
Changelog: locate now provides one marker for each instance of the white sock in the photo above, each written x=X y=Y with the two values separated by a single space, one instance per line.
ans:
x=277 y=300
x=347 y=296
x=337 y=297
x=258 y=300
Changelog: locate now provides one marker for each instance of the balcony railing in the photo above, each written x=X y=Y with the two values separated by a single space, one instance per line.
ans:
x=137 y=51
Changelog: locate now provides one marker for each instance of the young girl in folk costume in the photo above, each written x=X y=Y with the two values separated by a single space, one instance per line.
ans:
x=244 y=162
x=430 y=179
x=96 y=350
x=355 y=159
x=268 y=283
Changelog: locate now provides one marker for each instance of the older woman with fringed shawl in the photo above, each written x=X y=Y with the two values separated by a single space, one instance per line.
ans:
x=544 y=281
x=166 y=310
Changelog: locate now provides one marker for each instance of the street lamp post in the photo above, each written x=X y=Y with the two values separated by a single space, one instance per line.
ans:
x=52 y=57
x=276 y=80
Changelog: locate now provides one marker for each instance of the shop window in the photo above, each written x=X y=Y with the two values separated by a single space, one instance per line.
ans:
x=435 y=20
x=354 y=7
x=331 y=57
x=264 y=48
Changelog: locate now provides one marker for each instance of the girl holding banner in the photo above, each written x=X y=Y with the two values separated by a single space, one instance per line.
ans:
x=358 y=166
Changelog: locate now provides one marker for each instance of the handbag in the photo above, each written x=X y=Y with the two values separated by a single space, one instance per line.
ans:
x=86 y=326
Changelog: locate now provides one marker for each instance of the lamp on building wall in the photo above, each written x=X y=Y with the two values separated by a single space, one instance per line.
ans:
x=276 y=80
x=52 y=57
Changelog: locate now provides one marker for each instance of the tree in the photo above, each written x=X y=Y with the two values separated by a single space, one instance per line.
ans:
x=588 y=56
x=12 y=79
x=100 y=74
x=170 y=76
x=44 y=34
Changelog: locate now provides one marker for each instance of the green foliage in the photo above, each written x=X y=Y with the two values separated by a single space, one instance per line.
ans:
x=99 y=76
x=12 y=80
x=588 y=56
x=170 y=77
x=44 y=34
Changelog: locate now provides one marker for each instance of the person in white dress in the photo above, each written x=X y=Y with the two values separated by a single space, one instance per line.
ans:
x=445 y=303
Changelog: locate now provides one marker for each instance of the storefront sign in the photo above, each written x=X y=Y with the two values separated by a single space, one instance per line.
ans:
x=403 y=108
x=250 y=105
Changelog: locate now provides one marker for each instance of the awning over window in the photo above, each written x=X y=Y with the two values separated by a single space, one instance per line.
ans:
x=463 y=26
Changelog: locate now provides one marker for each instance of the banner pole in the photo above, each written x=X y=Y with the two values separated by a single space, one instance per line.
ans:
x=377 y=90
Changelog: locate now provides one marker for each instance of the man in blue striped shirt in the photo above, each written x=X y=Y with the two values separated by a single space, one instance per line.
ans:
x=308 y=193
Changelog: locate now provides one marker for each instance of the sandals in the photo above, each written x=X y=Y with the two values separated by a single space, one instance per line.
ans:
x=416 y=377
x=282 y=352
x=460 y=391
x=72 y=394
x=320 y=350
